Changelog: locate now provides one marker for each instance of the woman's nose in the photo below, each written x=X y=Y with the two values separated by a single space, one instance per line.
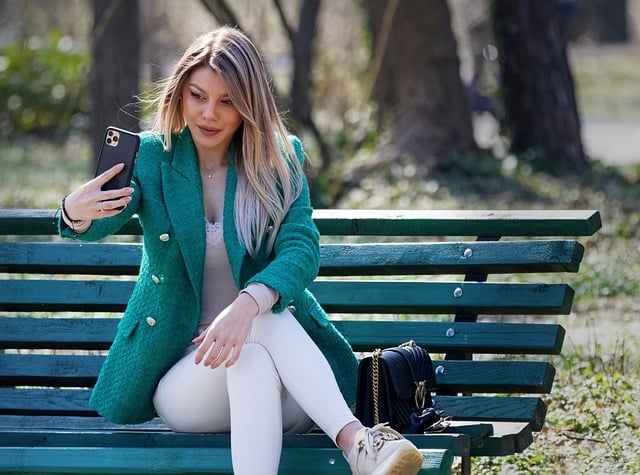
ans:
x=210 y=111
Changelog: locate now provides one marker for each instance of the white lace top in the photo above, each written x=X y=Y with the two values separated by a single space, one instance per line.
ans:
x=214 y=232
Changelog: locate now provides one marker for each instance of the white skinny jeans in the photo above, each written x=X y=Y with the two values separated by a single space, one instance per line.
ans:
x=280 y=382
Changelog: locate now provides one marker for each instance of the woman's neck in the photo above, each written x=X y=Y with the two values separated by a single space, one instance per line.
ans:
x=213 y=160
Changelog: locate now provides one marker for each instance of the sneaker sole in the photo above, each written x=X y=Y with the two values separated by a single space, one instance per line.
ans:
x=407 y=461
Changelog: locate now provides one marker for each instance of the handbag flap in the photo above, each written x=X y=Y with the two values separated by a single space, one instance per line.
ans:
x=404 y=367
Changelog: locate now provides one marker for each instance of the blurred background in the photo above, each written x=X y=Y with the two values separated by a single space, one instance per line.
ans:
x=432 y=104
x=426 y=86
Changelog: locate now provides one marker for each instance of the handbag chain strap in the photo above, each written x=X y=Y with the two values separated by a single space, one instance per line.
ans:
x=375 y=362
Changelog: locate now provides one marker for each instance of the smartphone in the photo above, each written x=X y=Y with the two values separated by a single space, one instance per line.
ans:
x=118 y=146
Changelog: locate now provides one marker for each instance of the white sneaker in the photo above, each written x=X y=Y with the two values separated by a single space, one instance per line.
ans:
x=383 y=451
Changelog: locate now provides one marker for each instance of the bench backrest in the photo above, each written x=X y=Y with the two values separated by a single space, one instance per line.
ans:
x=386 y=277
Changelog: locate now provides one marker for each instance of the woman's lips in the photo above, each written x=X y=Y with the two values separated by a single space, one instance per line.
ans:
x=209 y=132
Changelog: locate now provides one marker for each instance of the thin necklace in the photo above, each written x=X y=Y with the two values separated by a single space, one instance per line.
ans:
x=211 y=172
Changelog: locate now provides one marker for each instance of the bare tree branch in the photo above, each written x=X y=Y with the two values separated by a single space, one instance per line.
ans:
x=221 y=11
x=285 y=23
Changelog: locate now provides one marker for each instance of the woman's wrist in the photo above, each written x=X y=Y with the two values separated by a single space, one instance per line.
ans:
x=77 y=225
x=65 y=213
x=265 y=297
x=247 y=301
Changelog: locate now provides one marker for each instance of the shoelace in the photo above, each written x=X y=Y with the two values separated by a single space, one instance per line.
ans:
x=375 y=437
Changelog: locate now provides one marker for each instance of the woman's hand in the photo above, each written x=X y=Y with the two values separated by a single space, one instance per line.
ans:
x=223 y=340
x=89 y=202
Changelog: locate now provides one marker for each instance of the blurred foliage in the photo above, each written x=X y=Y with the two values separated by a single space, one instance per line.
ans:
x=45 y=83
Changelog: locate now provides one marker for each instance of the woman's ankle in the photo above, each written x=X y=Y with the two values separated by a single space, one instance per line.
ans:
x=346 y=436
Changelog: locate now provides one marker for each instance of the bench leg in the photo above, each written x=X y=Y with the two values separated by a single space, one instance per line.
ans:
x=465 y=466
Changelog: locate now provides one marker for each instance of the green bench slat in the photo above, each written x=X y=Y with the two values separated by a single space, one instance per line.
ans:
x=50 y=401
x=64 y=295
x=70 y=258
x=335 y=259
x=457 y=223
x=509 y=438
x=334 y=296
x=450 y=258
x=442 y=337
x=437 y=337
x=495 y=376
x=115 y=460
x=498 y=409
x=37 y=428
x=490 y=439
x=43 y=222
x=82 y=371
x=472 y=408
x=183 y=460
x=95 y=431
x=528 y=223
x=49 y=370
x=440 y=297
x=122 y=436
x=58 y=333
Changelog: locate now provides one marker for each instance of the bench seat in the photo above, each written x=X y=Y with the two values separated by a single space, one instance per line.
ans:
x=386 y=277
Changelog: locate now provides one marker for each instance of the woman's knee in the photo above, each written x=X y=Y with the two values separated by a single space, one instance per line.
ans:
x=255 y=367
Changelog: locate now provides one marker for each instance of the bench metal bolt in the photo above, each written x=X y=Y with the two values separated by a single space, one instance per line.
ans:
x=440 y=370
x=467 y=253
x=457 y=293
x=450 y=332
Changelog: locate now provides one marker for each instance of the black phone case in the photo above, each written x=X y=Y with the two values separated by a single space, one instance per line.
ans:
x=118 y=146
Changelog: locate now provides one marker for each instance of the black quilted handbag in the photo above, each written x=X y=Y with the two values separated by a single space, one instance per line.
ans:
x=394 y=386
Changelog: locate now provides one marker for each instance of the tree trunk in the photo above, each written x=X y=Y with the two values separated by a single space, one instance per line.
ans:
x=422 y=104
x=613 y=26
x=602 y=21
x=541 y=110
x=115 y=71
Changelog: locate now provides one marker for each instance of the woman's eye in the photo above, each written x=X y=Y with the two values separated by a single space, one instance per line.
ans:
x=195 y=95
x=227 y=102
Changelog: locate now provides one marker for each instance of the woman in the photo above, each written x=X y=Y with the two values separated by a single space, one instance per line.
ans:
x=220 y=333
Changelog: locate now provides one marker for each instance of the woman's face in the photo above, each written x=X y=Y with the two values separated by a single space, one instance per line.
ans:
x=208 y=111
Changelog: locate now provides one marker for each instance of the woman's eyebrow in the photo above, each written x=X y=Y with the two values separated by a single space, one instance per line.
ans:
x=194 y=85
x=204 y=91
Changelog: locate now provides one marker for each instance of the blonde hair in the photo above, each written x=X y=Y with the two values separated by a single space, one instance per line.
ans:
x=270 y=176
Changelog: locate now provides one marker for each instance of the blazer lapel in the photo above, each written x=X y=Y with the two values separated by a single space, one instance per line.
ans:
x=182 y=189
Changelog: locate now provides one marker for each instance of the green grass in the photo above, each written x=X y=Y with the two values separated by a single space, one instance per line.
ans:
x=592 y=423
x=607 y=80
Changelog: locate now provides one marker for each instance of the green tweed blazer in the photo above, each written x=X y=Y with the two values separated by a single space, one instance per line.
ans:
x=163 y=311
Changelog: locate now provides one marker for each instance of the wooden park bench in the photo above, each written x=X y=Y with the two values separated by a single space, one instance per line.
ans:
x=386 y=277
